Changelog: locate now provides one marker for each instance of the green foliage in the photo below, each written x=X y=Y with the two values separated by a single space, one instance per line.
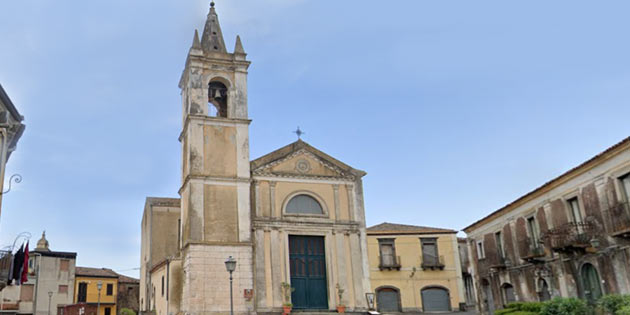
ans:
x=286 y=293
x=533 y=307
x=127 y=311
x=613 y=303
x=521 y=308
x=565 y=306
x=505 y=311
x=624 y=310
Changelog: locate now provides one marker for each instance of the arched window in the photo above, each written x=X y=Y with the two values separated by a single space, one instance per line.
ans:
x=304 y=204
x=217 y=99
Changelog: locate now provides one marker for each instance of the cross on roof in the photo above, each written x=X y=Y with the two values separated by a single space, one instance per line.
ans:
x=299 y=132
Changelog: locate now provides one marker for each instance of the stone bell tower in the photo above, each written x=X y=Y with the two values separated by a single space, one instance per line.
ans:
x=215 y=191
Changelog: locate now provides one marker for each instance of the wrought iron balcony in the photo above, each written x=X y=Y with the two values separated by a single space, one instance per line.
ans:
x=433 y=262
x=535 y=250
x=571 y=236
x=501 y=262
x=5 y=266
x=619 y=217
x=389 y=262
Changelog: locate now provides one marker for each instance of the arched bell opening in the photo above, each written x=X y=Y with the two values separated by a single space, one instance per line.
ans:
x=217 y=99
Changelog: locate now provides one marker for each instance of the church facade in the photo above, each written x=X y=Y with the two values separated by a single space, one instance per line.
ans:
x=293 y=217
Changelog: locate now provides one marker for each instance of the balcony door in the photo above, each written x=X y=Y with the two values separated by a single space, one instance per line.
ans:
x=308 y=272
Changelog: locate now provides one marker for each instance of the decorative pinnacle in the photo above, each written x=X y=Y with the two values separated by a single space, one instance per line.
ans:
x=212 y=4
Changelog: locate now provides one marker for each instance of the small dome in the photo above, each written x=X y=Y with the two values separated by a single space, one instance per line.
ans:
x=42 y=244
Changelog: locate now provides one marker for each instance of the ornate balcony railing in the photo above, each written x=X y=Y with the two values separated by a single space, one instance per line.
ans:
x=389 y=262
x=571 y=236
x=501 y=262
x=534 y=249
x=432 y=262
x=619 y=218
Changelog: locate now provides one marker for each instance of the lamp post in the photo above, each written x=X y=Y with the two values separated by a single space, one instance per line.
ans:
x=230 y=265
x=99 y=286
x=49 y=298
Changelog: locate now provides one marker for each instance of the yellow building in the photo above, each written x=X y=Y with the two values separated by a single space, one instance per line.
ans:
x=86 y=288
x=414 y=268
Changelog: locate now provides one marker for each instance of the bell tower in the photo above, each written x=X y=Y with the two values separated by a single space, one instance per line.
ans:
x=215 y=190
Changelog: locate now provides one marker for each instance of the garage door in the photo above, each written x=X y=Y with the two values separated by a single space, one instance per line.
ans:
x=435 y=300
x=387 y=300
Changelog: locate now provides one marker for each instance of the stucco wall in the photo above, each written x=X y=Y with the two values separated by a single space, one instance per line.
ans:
x=93 y=292
x=411 y=278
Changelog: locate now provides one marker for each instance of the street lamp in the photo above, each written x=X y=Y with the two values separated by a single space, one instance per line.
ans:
x=99 y=286
x=230 y=265
x=49 y=298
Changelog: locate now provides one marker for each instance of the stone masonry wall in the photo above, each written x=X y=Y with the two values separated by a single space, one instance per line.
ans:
x=206 y=282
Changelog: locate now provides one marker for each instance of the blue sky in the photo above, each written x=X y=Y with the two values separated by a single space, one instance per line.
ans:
x=454 y=108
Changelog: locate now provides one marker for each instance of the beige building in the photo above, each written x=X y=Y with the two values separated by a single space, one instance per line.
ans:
x=292 y=216
x=49 y=286
x=567 y=238
x=415 y=268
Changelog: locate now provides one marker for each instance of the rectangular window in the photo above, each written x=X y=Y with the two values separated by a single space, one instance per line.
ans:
x=576 y=215
x=26 y=293
x=430 y=256
x=388 y=252
x=625 y=184
x=31 y=265
x=532 y=228
x=82 y=295
x=110 y=289
x=108 y=311
x=162 y=285
x=63 y=289
x=480 y=250
x=499 y=240
x=64 y=264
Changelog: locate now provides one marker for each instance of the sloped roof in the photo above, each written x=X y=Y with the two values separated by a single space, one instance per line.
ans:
x=125 y=279
x=299 y=145
x=95 y=272
x=584 y=167
x=393 y=228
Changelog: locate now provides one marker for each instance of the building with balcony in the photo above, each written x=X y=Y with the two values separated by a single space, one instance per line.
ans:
x=49 y=285
x=415 y=268
x=96 y=287
x=567 y=238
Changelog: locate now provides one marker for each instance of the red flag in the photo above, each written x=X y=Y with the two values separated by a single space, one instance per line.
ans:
x=25 y=269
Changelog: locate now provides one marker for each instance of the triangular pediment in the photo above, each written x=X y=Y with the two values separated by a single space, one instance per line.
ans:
x=300 y=159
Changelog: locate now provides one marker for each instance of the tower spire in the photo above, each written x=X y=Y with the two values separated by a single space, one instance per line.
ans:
x=238 y=47
x=212 y=37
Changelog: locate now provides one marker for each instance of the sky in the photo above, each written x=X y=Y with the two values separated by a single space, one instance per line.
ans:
x=453 y=108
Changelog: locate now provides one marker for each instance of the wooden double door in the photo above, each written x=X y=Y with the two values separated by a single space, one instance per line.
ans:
x=307 y=261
